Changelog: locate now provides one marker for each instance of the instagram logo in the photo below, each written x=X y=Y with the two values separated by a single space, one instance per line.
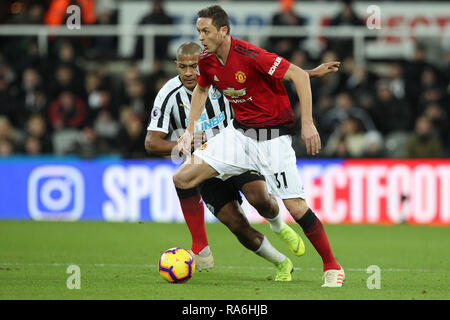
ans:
x=55 y=192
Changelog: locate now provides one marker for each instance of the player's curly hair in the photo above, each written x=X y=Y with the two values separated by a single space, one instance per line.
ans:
x=218 y=15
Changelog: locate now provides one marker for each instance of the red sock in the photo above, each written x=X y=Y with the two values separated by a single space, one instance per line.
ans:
x=193 y=212
x=315 y=232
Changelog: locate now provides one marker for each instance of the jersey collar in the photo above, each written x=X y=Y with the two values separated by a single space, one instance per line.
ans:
x=232 y=41
x=186 y=89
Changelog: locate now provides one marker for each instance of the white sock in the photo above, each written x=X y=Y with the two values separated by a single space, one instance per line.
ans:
x=205 y=252
x=268 y=252
x=276 y=224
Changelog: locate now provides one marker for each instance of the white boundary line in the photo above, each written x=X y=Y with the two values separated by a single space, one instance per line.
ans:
x=119 y=265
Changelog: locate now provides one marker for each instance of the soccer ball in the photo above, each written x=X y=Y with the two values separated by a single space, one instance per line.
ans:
x=176 y=265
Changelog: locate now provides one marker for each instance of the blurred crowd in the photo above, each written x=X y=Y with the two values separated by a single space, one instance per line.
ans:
x=69 y=102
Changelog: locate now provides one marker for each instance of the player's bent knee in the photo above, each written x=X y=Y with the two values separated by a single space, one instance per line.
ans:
x=181 y=180
x=296 y=207
x=261 y=201
x=190 y=175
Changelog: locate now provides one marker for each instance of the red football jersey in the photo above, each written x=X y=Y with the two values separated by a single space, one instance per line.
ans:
x=251 y=81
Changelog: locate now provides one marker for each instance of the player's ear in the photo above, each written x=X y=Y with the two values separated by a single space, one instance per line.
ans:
x=224 y=30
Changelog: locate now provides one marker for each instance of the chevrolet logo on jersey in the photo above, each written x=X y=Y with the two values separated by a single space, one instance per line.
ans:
x=233 y=93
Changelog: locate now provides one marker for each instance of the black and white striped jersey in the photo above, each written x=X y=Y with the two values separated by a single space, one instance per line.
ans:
x=170 y=110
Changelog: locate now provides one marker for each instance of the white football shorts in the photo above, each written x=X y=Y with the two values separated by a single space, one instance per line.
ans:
x=231 y=153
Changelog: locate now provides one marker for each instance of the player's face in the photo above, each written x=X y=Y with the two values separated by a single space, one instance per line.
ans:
x=209 y=36
x=187 y=68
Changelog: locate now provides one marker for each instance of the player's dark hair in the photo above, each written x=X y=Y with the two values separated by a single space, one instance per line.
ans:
x=218 y=15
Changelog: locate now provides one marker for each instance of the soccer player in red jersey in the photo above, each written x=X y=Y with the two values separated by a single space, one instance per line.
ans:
x=168 y=118
x=259 y=138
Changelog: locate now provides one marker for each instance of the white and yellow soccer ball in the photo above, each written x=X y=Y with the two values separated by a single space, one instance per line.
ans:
x=176 y=265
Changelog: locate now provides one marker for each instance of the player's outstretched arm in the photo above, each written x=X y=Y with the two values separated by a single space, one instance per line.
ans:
x=198 y=101
x=324 y=69
x=300 y=78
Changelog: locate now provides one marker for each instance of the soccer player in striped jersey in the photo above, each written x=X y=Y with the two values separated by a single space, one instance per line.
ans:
x=259 y=137
x=169 y=115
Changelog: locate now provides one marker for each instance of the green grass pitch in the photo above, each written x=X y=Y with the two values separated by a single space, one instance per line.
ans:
x=119 y=261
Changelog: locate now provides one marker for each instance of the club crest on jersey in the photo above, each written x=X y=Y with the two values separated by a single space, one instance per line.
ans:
x=235 y=93
x=203 y=146
x=240 y=77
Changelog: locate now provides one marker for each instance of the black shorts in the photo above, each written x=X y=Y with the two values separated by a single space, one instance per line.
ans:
x=216 y=192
